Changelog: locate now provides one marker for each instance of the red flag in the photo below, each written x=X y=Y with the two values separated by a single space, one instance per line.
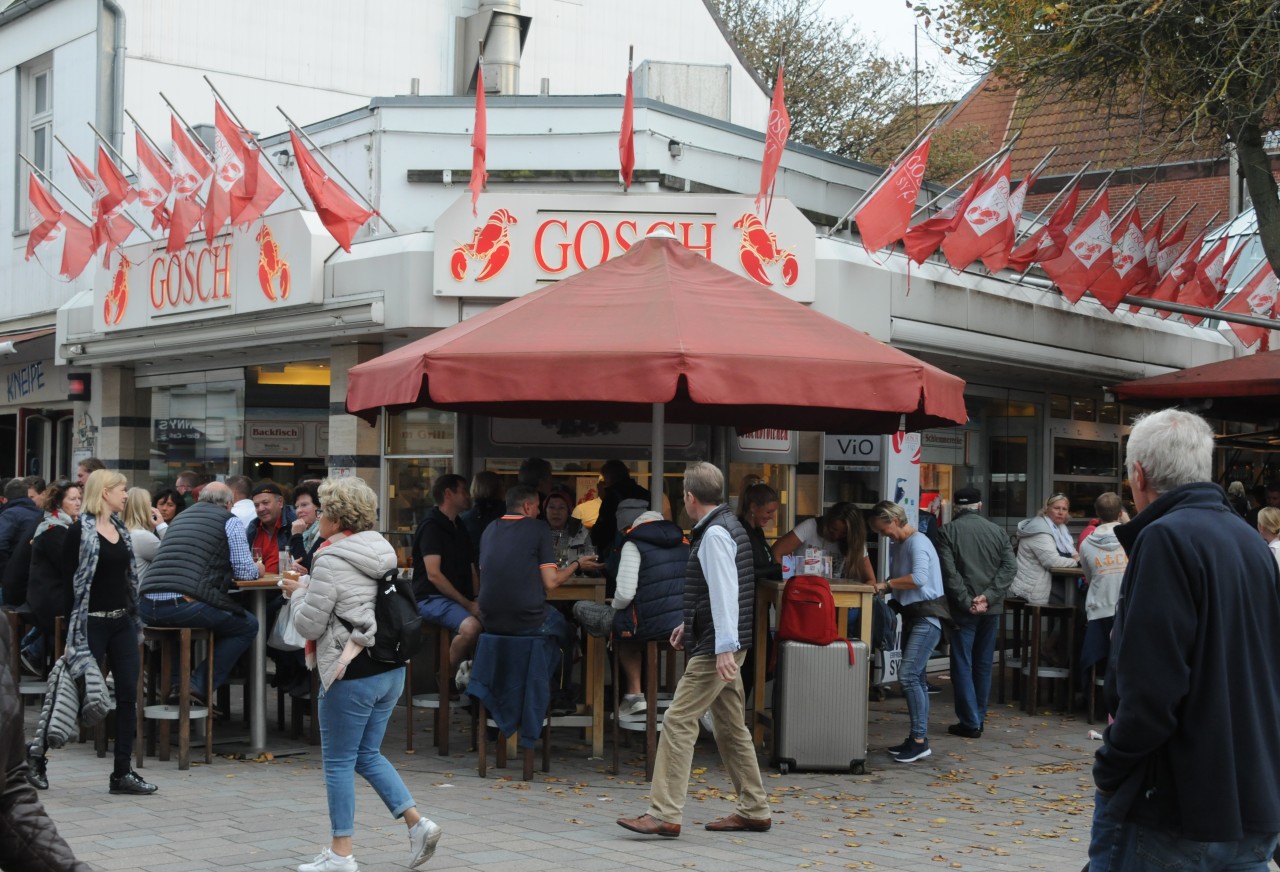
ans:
x=1150 y=255
x=1047 y=242
x=883 y=218
x=479 y=144
x=1181 y=271
x=923 y=239
x=190 y=170
x=984 y=229
x=1168 y=252
x=155 y=181
x=78 y=246
x=44 y=216
x=341 y=215
x=228 y=171
x=113 y=226
x=1128 y=254
x=1210 y=282
x=1086 y=255
x=84 y=176
x=627 y=136
x=256 y=189
x=1258 y=298
x=775 y=143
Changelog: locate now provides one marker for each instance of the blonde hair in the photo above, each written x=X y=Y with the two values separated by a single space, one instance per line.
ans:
x=349 y=503
x=99 y=482
x=889 y=512
x=137 y=510
x=1269 y=520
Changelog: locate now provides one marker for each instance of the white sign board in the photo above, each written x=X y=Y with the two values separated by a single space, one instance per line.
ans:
x=852 y=449
x=36 y=381
x=520 y=241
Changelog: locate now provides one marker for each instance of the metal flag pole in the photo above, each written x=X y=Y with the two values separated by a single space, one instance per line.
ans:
x=159 y=150
x=1178 y=223
x=1131 y=203
x=1031 y=228
x=1076 y=217
x=1199 y=311
x=960 y=181
x=875 y=186
x=1146 y=226
x=258 y=145
x=190 y=130
x=132 y=220
x=341 y=175
x=117 y=156
x=42 y=174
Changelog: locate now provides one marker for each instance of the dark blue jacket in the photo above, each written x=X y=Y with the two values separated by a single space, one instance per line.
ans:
x=658 y=606
x=512 y=676
x=1194 y=677
x=17 y=516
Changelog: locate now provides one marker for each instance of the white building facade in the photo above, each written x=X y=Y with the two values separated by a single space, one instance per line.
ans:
x=211 y=365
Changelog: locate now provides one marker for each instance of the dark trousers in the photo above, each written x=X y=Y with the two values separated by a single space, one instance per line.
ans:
x=116 y=641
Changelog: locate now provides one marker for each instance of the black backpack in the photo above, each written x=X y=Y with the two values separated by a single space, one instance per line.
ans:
x=399 y=633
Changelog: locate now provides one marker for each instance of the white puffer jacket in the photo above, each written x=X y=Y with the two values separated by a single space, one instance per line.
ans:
x=344 y=583
x=1037 y=554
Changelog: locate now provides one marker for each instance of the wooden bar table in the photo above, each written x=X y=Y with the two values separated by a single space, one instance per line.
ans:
x=582 y=587
x=847 y=596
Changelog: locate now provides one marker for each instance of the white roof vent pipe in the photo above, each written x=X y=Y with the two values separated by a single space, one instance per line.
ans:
x=502 y=30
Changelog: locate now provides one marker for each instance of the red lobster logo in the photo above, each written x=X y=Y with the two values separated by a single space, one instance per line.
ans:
x=760 y=249
x=117 y=299
x=272 y=268
x=490 y=244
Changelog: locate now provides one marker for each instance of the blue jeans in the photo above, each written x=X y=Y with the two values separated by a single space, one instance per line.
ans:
x=920 y=642
x=1116 y=846
x=353 y=719
x=973 y=642
x=232 y=634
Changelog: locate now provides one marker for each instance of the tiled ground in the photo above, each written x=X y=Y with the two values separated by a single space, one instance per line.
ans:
x=1019 y=798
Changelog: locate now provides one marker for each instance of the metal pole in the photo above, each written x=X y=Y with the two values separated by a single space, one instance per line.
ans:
x=341 y=175
x=1158 y=213
x=1020 y=235
x=1200 y=311
x=190 y=130
x=657 y=456
x=258 y=145
x=1178 y=223
x=42 y=174
x=958 y=182
x=117 y=156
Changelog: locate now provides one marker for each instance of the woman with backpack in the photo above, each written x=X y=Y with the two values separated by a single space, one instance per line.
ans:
x=335 y=607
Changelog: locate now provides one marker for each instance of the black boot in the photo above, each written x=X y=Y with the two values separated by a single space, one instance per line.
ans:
x=36 y=775
x=131 y=783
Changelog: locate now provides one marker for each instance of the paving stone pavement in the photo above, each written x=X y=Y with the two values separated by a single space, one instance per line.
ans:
x=1018 y=798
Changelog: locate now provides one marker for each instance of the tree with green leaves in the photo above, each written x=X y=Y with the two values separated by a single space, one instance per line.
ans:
x=1195 y=70
x=841 y=92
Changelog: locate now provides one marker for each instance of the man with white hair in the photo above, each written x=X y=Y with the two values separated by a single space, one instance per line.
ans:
x=1186 y=775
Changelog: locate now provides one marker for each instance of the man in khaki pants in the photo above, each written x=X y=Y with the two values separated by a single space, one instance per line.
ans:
x=719 y=600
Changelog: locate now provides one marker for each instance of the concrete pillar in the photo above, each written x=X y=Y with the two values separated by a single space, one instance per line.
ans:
x=122 y=414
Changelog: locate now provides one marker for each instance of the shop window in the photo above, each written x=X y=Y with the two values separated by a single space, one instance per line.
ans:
x=1083 y=409
x=1109 y=413
x=1059 y=406
x=1085 y=457
x=419 y=449
x=198 y=426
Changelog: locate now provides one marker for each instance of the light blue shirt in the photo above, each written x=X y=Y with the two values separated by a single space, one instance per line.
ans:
x=916 y=558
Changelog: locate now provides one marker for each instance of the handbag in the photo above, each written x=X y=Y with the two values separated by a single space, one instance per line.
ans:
x=284 y=635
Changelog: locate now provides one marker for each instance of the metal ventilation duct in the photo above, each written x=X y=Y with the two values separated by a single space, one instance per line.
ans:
x=502 y=30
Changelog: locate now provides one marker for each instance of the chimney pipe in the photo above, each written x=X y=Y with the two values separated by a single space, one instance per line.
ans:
x=502 y=46
x=413 y=86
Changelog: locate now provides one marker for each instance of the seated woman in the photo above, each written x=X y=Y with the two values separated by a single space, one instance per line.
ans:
x=649 y=601
x=305 y=535
x=757 y=509
x=1043 y=543
x=841 y=532
x=567 y=532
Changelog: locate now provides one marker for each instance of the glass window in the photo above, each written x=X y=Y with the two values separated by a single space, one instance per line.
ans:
x=41 y=97
x=198 y=426
x=1129 y=414
x=35 y=125
x=1059 y=406
x=1085 y=457
x=420 y=432
x=1084 y=409
x=1008 y=462
x=1109 y=413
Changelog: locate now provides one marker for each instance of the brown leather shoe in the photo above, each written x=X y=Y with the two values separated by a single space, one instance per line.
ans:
x=649 y=825
x=736 y=823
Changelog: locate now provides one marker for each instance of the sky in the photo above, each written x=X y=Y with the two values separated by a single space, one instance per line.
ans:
x=893 y=26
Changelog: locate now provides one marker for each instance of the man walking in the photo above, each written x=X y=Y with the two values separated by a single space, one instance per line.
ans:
x=719 y=604
x=1186 y=772
x=977 y=568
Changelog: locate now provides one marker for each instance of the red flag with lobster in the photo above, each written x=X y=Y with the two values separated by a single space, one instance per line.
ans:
x=1128 y=260
x=775 y=143
x=884 y=217
x=984 y=229
x=1257 y=297
x=1086 y=255
x=479 y=143
x=923 y=239
x=44 y=216
x=113 y=226
x=1210 y=283
x=1047 y=242
x=1181 y=271
x=341 y=215
x=155 y=181
x=627 y=135
x=191 y=168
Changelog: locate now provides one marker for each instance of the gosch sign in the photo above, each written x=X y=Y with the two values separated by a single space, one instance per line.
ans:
x=520 y=241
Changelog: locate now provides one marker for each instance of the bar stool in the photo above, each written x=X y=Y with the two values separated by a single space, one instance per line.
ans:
x=439 y=701
x=1063 y=619
x=1011 y=625
x=651 y=723
x=183 y=712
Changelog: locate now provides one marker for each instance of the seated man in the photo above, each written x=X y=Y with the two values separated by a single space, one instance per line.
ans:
x=649 y=601
x=517 y=568
x=201 y=555
x=444 y=573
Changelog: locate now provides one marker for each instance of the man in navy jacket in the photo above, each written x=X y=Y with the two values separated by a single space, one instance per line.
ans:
x=1187 y=772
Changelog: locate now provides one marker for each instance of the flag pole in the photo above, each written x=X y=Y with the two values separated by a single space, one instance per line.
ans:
x=160 y=151
x=1158 y=213
x=190 y=130
x=1076 y=217
x=117 y=156
x=261 y=151
x=875 y=186
x=42 y=174
x=1178 y=223
x=1020 y=236
x=1124 y=210
x=960 y=181
x=1201 y=312
x=341 y=175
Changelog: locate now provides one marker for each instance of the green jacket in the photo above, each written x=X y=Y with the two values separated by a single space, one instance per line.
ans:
x=977 y=558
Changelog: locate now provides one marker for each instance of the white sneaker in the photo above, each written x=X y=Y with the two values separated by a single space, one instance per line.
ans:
x=463 y=678
x=632 y=704
x=708 y=724
x=422 y=841
x=327 y=861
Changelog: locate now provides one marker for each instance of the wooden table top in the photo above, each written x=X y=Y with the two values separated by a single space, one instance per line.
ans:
x=259 y=583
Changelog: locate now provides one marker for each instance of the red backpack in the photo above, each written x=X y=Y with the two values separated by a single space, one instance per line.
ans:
x=808 y=611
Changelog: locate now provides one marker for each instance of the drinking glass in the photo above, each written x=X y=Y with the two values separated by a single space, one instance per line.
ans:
x=256 y=554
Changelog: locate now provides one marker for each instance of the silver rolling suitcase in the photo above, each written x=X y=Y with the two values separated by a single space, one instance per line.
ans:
x=820 y=706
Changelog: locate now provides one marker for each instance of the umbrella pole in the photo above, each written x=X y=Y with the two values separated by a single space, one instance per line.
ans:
x=657 y=461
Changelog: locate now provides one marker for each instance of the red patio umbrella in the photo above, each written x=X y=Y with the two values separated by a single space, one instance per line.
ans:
x=662 y=329
x=1235 y=389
